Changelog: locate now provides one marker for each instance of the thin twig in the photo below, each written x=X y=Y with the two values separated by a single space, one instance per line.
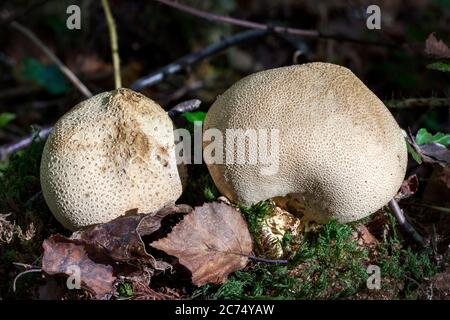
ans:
x=259 y=258
x=66 y=71
x=114 y=44
x=23 y=273
x=407 y=227
x=11 y=148
x=261 y=26
x=237 y=22
x=418 y=103
x=185 y=106
x=25 y=265
x=268 y=260
x=192 y=58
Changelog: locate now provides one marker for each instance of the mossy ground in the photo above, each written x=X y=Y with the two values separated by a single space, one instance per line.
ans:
x=328 y=264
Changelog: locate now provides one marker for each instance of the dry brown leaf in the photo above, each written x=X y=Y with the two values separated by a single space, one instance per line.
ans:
x=436 y=48
x=211 y=242
x=101 y=250
x=121 y=239
x=365 y=236
x=61 y=256
x=408 y=188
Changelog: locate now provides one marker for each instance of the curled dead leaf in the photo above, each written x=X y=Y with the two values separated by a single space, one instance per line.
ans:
x=121 y=239
x=105 y=249
x=436 y=48
x=408 y=188
x=212 y=242
x=61 y=256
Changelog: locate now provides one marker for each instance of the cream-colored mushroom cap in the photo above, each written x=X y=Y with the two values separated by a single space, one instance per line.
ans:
x=111 y=154
x=341 y=152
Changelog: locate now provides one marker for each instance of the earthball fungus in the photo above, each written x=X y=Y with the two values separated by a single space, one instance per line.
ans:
x=340 y=151
x=109 y=155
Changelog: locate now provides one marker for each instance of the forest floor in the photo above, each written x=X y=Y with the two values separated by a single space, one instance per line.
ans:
x=399 y=63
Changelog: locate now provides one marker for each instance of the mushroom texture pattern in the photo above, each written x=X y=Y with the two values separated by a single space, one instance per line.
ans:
x=109 y=155
x=340 y=151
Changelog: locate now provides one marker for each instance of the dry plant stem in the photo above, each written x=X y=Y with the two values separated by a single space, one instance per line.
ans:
x=261 y=26
x=192 y=58
x=66 y=71
x=418 y=103
x=268 y=260
x=114 y=44
x=261 y=259
x=407 y=227
x=237 y=22
x=23 y=143
x=23 y=273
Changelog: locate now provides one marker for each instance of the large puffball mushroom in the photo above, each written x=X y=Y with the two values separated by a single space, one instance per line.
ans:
x=110 y=155
x=341 y=152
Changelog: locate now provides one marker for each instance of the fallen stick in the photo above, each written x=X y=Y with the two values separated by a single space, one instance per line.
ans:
x=404 y=224
x=66 y=71
x=192 y=58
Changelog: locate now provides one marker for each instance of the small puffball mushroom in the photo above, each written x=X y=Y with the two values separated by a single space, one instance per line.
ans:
x=110 y=155
x=341 y=153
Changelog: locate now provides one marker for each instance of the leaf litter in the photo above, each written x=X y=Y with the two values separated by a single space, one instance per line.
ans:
x=211 y=241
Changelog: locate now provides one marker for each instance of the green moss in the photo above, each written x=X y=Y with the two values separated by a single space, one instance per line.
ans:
x=255 y=215
x=20 y=195
x=19 y=177
x=407 y=266
x=328 y=264
x=125 y=290
x=332 y=265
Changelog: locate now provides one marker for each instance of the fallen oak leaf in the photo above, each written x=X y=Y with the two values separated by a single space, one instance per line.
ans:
x=61 y=256
x=211 y=242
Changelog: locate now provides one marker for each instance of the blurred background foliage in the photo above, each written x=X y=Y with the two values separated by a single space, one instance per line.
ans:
x=152 y=35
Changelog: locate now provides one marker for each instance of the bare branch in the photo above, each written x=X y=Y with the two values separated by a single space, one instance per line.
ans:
x=192 y=58
x=238 y=22
x=11 y=148
x=66 y=71
x=114 y=44
x=261 y=26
